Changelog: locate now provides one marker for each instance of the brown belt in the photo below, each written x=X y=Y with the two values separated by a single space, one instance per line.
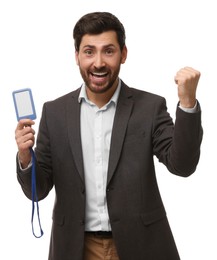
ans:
x=100 y=234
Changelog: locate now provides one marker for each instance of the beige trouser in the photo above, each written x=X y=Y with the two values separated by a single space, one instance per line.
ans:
x=99 y=248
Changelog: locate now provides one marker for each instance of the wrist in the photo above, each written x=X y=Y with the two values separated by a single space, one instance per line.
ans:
x=24 y=159
x=188 y=103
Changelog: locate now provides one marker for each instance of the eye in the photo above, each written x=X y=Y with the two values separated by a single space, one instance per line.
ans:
x=109 y=51
x=88 y=52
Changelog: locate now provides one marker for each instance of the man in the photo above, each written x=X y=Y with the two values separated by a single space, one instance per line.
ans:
x=96 y=144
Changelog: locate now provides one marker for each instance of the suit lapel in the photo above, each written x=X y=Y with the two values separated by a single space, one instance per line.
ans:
x=73 y=118
x=123 y=111
x=122 y=115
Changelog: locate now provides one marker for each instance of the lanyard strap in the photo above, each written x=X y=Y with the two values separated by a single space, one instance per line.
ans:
x=35 y=198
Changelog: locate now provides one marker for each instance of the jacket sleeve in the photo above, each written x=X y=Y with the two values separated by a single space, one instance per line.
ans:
x=43 y=165
x=177 y=145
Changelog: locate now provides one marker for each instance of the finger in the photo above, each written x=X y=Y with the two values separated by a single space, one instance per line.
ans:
x=22 y=130
x=186 y=74
x=25 y=136
x=24 y=122
x=25 y=141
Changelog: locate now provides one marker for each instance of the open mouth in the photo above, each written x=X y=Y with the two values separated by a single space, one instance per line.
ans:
x=99 y=74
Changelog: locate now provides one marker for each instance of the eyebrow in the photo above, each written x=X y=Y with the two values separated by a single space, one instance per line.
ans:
x=94 y=47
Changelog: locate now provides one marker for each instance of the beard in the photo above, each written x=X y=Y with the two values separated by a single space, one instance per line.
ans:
x=100 y=86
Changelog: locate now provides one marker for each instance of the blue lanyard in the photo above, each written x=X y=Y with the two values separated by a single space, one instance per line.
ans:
x=35 y=197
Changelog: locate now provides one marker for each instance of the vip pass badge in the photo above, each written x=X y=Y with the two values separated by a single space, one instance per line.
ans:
x=25 y=108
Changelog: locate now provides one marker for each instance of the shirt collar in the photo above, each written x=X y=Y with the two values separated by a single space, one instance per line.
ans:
x=114 y=98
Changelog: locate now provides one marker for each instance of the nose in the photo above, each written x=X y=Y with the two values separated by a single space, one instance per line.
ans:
x=99 y=61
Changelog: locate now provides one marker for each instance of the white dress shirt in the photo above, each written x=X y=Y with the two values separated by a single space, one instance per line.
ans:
x=96 y=130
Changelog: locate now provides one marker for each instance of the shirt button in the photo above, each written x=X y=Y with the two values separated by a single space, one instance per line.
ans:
x=98 y=160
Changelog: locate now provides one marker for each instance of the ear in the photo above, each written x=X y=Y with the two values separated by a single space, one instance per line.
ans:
x=124 y=54
x=76 y=57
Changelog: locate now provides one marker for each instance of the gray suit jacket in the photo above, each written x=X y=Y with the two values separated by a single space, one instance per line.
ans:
x=142 y=128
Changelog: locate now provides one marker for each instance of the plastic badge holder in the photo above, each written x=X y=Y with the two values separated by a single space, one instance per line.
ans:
x=24 y=107
x=24 y=104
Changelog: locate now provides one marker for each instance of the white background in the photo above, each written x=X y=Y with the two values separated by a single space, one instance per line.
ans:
x=36 y=51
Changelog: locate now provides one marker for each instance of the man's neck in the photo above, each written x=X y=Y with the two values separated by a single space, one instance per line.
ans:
x=101 y=99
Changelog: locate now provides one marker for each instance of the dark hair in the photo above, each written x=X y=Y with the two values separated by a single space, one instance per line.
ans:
x=96 y=23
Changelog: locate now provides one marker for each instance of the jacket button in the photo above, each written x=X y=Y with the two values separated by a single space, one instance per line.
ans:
x=82 y=222
x=110 y=189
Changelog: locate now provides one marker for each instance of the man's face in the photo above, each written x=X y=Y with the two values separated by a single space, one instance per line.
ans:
x=99 y=59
